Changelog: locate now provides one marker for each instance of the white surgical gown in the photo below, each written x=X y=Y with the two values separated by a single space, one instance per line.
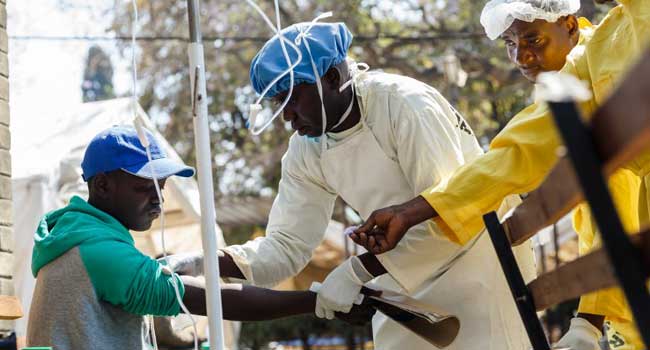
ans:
x=414 y=129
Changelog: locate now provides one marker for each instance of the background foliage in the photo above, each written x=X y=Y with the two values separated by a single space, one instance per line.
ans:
x=409 y=37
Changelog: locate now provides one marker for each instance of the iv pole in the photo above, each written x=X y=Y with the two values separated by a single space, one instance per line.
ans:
x=204 y=173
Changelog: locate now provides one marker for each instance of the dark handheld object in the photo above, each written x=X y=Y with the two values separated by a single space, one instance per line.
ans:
x=434 y=326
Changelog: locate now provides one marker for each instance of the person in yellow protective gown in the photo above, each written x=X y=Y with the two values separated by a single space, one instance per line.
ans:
x=541 y=45
x=522 y=155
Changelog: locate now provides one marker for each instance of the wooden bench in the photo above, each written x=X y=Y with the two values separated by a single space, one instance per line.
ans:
x=10 y=308
x=618 y=132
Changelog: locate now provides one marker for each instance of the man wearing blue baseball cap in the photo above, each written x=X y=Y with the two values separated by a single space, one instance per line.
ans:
x=373 y=139
x=93 y=286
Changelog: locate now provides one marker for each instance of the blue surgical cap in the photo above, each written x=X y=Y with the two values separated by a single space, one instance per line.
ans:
x=329 y=43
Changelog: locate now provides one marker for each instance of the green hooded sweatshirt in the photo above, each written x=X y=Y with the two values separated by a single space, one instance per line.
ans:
x=120 y=274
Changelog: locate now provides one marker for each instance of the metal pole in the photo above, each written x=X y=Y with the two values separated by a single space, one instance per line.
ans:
x=204 y=173
x=522 y=296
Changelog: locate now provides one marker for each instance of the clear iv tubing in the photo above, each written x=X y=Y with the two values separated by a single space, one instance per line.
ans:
x=319 y=86
x=145 y=142
x=139 y=125
x=278 y=32
x=256 y=107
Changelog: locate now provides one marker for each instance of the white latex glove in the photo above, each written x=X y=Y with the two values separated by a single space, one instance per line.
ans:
x=185 y=263
x=341 y=288
x=582 y=335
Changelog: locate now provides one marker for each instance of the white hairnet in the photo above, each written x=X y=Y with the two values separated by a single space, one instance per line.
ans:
x=498 y=15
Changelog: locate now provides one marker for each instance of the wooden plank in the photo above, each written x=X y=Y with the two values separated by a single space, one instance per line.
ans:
x=621 y=127
x=584 y=275
x=557 y=195
x=10 y=308
x=620 y=137
x=581 y=276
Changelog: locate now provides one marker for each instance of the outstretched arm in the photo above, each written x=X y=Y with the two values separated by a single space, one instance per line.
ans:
x=248 y=303
x=518 y=160
x=289 y=242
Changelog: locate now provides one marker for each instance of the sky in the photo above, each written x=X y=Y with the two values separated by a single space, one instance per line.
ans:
x=45 y=76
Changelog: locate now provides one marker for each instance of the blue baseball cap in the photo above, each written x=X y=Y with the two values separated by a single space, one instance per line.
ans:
x=119 y=148
x=328 y=42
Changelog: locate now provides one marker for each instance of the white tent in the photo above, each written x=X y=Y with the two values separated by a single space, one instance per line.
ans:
x=46 y=173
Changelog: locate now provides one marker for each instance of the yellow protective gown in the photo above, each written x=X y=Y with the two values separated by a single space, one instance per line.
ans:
x=521 y=155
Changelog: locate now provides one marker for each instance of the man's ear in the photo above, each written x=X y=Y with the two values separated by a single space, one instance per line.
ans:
x=571 y=24
x=332 y=78
x=102 y=186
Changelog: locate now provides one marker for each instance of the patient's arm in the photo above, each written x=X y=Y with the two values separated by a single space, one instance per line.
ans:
x=248 y=303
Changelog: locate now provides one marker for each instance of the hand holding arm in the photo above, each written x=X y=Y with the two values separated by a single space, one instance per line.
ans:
x=341 y=288
x=191 y=264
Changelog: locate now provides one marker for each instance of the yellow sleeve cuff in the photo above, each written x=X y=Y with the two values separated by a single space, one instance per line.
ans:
x=458 y=226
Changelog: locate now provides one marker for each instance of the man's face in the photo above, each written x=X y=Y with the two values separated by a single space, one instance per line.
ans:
x=133 y=200
x=304 y=110
x=541 y=46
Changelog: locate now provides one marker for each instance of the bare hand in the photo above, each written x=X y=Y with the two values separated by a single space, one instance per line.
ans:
x=383 y=230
